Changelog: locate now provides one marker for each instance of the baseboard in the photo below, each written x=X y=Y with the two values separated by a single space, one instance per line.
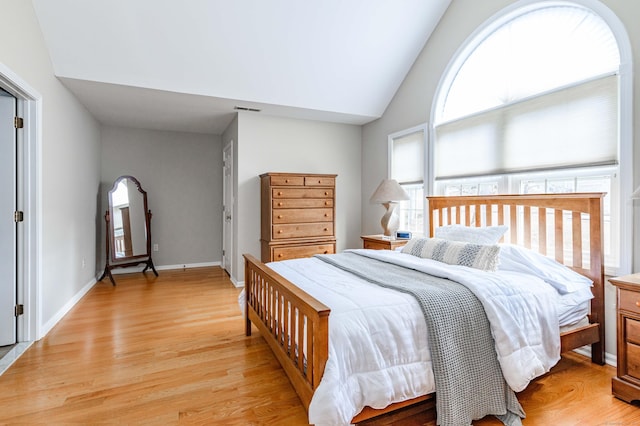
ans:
x=609 y=359
x=66 y=308
x=139 y=268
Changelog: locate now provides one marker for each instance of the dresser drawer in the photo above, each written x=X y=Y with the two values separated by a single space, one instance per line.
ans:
x=303 y=230
x=293 y=203
x=629 y=300
x=632 y=330
x=287 y=180
x=295 y=252
x=319 y=181
x=302 y=215
x=302 y=193
x=633 y=360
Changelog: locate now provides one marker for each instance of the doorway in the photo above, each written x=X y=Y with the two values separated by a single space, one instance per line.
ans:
x=26 y=159
x=8 y=221
x=227 y=209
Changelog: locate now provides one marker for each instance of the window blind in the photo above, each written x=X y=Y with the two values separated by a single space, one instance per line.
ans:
x=571 y=127
x=408 y=158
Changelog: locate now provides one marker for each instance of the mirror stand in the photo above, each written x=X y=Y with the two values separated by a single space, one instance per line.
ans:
x=128 y=228
x=148 y=261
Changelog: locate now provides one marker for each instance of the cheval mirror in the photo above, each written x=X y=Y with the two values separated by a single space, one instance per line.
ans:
x=128 y=226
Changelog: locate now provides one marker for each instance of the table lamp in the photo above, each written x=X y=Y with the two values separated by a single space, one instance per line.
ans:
x=389 y=193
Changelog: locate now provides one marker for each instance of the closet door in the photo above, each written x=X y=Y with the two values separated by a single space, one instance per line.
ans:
x=8 y=227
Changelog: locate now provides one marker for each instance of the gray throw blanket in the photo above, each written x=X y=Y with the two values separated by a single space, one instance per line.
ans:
x=469 y=381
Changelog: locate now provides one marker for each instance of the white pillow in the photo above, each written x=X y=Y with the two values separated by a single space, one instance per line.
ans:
x=479 y=256
x=471 y=234
x=521 y=259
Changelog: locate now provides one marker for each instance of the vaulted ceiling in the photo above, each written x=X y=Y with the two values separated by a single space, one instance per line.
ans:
x=185 y=65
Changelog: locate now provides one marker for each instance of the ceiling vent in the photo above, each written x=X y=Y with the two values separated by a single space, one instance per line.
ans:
x=241 y=108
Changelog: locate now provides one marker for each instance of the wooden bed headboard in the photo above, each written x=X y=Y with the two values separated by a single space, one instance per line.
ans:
x=566 y=227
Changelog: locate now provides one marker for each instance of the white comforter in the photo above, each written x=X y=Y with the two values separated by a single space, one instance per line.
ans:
x=378 y=349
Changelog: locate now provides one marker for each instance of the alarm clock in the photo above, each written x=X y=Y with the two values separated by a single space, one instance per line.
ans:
x=403 y=235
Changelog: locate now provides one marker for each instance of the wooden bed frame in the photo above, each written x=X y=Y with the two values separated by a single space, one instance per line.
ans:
x=577 y=220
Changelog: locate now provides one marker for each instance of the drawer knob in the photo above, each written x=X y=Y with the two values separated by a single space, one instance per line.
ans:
x=326 y=193
x=638 y=303
x=280 y=255
x=326 y=229
x=279 y=216
x=286 y=181
x=319 y=181
x=279 y=193
x=279 y=204
x=280 y=231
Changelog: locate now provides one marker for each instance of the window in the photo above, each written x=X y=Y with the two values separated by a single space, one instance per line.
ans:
x=533 y=107
x=407 y=155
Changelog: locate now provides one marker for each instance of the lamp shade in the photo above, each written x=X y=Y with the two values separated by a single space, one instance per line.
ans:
x=389 y=190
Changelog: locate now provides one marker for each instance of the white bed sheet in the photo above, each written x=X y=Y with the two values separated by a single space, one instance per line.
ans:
x=378 y=349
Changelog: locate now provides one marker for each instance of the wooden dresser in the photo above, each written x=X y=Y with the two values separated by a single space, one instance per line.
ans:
x=297 y=215
x=626 y=384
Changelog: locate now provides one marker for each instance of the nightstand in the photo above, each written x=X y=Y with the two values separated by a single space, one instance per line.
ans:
x=626 y=385
x=378 y=242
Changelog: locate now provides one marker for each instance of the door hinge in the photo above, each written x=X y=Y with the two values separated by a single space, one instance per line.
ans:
x=18 y=122
x=222 y=253
x=19 y=310
x=18 y=216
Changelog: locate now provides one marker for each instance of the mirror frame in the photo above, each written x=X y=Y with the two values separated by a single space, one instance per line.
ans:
x=121 y=262
x=146 y=213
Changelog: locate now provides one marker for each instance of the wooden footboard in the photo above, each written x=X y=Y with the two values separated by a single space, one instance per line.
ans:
x=294 y=324
x=270 y=298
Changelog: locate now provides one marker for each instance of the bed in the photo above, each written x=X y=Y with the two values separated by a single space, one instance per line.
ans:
x=567 y=227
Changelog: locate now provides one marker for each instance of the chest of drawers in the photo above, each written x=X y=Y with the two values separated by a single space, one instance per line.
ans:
x=297 y=215
x=626 y=384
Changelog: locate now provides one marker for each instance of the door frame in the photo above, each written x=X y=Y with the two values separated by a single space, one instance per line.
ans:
x=227 y=227
x=29 y=138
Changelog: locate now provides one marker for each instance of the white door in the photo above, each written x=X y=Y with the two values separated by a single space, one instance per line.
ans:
x=8 y=226
x=227 y=218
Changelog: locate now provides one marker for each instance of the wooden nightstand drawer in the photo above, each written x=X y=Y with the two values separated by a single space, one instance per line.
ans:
x=378 y=242
x=374 y=245
x=632 y=330
x=629 y=301
x=633 y=360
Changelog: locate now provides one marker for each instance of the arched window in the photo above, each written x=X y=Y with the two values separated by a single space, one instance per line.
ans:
x=531 y=105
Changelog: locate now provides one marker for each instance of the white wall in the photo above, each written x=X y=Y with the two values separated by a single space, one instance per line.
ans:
x=413 y=101
x=271 y=144
x=182 y=175
x=69 y=161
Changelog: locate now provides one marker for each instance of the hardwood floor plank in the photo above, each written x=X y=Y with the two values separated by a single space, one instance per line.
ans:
x=172 y=350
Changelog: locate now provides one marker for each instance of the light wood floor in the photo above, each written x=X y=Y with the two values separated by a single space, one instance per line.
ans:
x=171 y=350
